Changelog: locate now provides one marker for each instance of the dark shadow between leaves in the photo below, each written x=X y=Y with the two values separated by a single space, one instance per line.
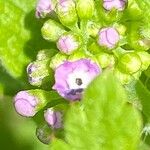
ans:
x=36 y=41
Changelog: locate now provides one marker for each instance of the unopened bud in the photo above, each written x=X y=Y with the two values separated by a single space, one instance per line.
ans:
x=130 y=63
x=52 y=30
x=108 y=37
x=57 y=60
x=93 y=28
x=45 y=54
x=66 y=12
x=114 y=4
x=28 y=103
x=38 y=71
x=145 y=58
x=122 y=77
x=85 y=9
x=53 y=118
x=68 y=43
x=45 y=7
x=44 y=133
x=103 y=59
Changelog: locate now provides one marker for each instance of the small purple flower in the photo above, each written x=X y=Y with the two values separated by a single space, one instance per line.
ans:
x=25 y=104
x=68 y=43
x=44 y=7
x=117 y=4
x=108 y=37
x=71 y=78
x=53 y=118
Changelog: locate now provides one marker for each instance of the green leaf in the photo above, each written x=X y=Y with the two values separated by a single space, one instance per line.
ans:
x=103 y=120
x=59 y=145
x=20 y=36
x=144 y=97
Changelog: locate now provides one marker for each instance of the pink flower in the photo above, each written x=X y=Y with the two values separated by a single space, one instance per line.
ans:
x=71 y=78
x=108 y=37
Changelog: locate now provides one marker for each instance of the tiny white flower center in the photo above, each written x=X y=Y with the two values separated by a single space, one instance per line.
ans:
x=78 y=80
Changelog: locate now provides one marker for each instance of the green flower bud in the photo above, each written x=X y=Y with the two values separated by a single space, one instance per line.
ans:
x=44 y=133
x=145 y=58
x=76 y=56
x=130 y=63
x=85 y=9
x=52 y=30
x=94 y=48
x=145 y=44
x=122 y=77
x=57 y=60
x=45 y=54
x=121 y=29
x=112 y=60
x=39 y=72
x=66 y=12
x=93 y=28
x=103 y=59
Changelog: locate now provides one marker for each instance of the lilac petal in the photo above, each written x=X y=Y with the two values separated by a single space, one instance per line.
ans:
x=53 y=118
x=25 y=104
x=67 y=75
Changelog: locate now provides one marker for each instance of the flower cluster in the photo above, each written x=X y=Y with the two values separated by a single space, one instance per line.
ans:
x=87 y=43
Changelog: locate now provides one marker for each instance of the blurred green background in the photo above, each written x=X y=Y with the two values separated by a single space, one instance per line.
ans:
x=16 y=133
x=20 y=39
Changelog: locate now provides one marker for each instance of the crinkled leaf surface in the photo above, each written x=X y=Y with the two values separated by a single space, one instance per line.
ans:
x=103 y=120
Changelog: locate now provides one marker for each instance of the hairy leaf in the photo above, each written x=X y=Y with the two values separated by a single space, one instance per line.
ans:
x=103 y=120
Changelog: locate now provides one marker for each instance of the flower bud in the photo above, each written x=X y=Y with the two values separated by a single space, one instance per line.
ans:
x=145 y=58
x=103 y=59
x=68 y=43
x=122 y=77
x=35 y=72
x=66 y=12
x=44 y=8
x=28 y=103
x=121 y=29
x=44 y=133
x=45 y=54
x=130 y=63
x=71 y=78
x=53 y=118
x=57 y=60
x=52 y=30
x=114 y=4
x=144 y=43
x=77 y=55
x=93 y=28
x=108 y=37
x=85 y=9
